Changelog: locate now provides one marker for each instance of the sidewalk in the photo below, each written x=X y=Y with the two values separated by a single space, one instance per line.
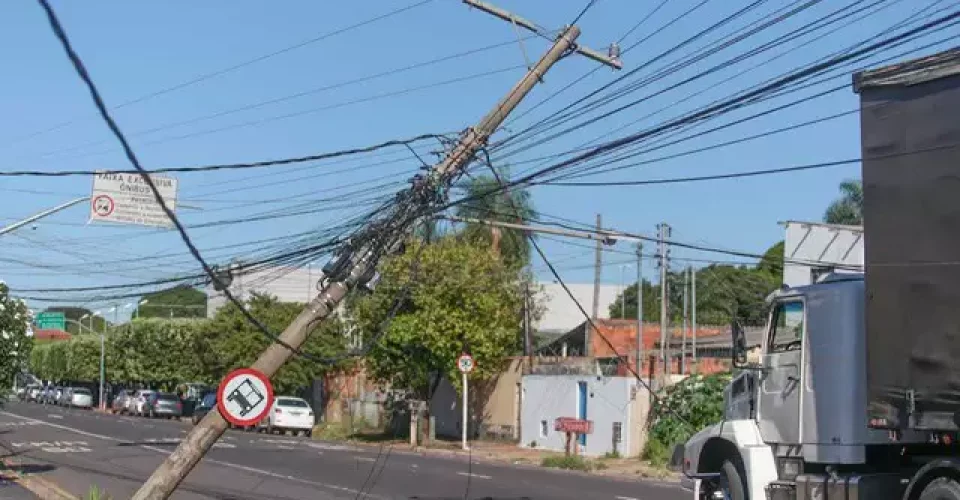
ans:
x=504 y=452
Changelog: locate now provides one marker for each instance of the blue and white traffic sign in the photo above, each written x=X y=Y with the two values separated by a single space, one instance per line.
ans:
x=244 y=397
x=465 y=363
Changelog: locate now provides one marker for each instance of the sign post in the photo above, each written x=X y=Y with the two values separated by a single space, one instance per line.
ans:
x=465 y=365
x=573 y=428
x=244 y=397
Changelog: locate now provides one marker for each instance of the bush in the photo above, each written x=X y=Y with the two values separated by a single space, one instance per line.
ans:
x=682 y=410
x=573 y=462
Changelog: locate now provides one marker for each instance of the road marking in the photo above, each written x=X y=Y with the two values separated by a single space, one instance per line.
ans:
x=206 y=460
x=366 y=459
x=470 y=474
x=625 y=498
x=51 y=415
x=56 y=446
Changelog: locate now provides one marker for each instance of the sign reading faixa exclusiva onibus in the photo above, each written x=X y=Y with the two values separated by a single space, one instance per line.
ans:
x=127 y=199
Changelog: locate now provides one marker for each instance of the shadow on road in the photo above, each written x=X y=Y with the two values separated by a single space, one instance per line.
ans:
x=31 y=468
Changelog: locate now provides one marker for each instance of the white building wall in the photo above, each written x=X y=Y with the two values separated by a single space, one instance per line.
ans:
x=609 y=400
x=815 y=244
x=561 y=314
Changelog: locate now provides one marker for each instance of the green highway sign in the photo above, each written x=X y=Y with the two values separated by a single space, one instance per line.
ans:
x=51 y=320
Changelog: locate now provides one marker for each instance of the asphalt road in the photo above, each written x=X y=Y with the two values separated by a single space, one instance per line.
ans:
x=79 y=448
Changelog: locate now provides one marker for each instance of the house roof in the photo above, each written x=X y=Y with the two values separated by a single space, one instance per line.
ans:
x=50 y=334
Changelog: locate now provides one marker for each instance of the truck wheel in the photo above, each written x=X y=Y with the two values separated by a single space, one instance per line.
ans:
x=941 y=489
x=731 y=482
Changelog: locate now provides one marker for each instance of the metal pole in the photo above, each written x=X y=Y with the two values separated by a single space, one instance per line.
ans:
x=623 y=291
x=24 y=222
x=465 y=413
x=597 y=269
x=102 y=369
x=639 y=367
x=693 y=312
x=201 y=438
x=683 y=334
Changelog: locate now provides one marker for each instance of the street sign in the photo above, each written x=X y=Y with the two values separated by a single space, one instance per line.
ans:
x=573 y=425
x=465 y=363
x=51 y=321
x=244 y=397
x=127 y=199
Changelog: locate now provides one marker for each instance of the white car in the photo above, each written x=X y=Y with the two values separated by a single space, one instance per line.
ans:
x=81 y=397
x=137 y=404
x=289 y=414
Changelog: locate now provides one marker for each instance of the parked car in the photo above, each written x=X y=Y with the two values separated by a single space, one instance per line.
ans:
x=119 y=404
x=289 y=414
x=33 y=393
x=46 y=395
x=137 y=404
x=54 y=397
x=207 y=403
x=80 y=397
x=164 y=405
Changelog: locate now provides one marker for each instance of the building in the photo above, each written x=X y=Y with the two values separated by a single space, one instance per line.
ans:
x=561 y=314
x=50 y=334
x=617 y=406
x=288 y=284
x=812 y=249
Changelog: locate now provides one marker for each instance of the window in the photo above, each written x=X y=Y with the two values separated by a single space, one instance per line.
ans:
x=85 y=392
x=618 y=432
x=787 y=329
x=293 y=403
x=209 y=400
x=544 y=428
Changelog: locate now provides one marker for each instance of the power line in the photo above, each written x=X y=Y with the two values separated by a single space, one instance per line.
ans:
x=131 y=156
x=226 y=166
x=230 y=69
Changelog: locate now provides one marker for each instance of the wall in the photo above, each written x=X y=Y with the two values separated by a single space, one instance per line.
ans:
x=610 y=399
x=494 y=405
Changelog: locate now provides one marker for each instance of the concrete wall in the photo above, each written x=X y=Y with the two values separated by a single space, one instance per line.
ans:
x=610 y=400
x=494 y=405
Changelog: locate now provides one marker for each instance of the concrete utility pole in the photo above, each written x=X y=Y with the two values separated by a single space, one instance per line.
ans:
x=639 y=363
x=686 y=312
x=360 y=261
x=663 y=233
x=693 y=311
x=597 y=270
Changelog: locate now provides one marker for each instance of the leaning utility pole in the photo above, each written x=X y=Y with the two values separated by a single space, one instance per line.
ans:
x=356 y=265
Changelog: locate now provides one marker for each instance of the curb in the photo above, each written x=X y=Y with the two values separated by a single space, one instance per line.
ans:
x=39 y=486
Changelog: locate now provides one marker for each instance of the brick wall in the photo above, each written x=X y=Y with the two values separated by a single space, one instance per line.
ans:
x=622 y=337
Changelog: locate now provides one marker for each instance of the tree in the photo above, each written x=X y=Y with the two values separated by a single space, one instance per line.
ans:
x=772 y=261
x=235 y=343
x=181 y=301
x=15 y=345
x=453 y=293
x=848 y=209
x=511 y=244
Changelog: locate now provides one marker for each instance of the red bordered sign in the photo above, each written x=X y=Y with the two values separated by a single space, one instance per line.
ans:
x=103 y=205
x=244 y=397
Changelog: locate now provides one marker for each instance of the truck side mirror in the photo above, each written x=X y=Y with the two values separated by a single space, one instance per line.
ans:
x=739 y=351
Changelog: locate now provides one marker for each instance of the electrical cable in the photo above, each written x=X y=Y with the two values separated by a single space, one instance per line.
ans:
x=227 y=166
x=234 y=67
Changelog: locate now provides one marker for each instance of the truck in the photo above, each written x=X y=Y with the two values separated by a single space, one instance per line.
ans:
x=856 y=395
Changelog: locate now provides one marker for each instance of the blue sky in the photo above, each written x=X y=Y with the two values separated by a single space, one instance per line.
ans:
x=133 y=49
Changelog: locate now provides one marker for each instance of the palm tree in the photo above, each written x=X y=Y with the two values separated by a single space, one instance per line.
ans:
x=488 y=202
x=848 y=209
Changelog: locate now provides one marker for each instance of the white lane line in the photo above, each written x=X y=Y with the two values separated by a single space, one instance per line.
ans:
x=51 y=415
x=206 y=460
x=470 y=474
x=366 y=459
x=625 y=498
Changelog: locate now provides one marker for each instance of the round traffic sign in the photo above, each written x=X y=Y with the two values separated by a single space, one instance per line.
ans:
x=465 y=363
x=103 y=205
x=244 y=397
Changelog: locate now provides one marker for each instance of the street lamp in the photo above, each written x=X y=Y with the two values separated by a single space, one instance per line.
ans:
x=136 y=312
x=85 y=316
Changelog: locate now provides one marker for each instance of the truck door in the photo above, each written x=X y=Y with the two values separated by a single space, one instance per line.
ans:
x=779 y=404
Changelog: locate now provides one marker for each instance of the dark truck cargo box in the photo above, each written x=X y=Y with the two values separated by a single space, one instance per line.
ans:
x=910 y=127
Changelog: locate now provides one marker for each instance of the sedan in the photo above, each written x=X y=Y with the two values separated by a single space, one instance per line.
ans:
x=163 y=404
x=289 y=414
x=80 y=397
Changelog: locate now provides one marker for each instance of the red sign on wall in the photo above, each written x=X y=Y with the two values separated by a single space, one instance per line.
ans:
x=574 y=425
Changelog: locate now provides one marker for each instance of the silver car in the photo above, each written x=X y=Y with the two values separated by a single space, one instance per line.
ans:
x=137 y=405
x=80 y=397
x=164 y=405
x=65 y=396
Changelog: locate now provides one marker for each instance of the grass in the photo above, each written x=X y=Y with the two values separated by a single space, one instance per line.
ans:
x=572 y=462
x=96 y=493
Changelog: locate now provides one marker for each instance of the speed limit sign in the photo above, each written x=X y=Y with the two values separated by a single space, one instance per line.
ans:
x=465 y=363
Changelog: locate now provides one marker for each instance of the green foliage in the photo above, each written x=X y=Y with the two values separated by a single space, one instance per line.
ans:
x=682 y=410
x=15 y=345
x=95 y=493
x=721 y=291
x=514 y=246
x=181 y=301
x=73 y=315
x=457 y=292
x=165 y=352
x=235 y=343
x=848 y=209
x=573 y=462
